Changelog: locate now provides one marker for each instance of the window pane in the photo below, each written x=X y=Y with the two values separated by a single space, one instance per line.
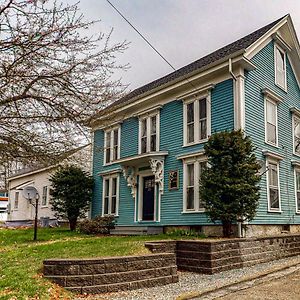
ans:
x=298 y=181
x=298 y=201
x=16 y=200
x=153 y=124
x=44 y=196
x=190 y=112
x=190 y=133
x=190 y=174
x=114 y=186
x=271 y=113
x=144 y=145
x=274 y=198
x=203 y=129
x=273 y=175
x=202 y=108
x=297 y=134
x=190 y=198
x=144 y=127
x=108 y=135
x=113 y=205
x=106 y=201
x=202 y=166
x=280 y=60
x=153 y=143
x=144 y=136
x=271 y=133
x=106 y=188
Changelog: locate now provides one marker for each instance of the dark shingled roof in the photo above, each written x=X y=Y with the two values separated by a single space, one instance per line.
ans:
x=223 y=52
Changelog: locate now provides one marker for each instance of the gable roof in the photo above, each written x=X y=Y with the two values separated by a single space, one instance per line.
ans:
x=223 y=52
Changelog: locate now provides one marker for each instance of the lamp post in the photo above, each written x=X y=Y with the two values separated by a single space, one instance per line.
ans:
x=30 y=193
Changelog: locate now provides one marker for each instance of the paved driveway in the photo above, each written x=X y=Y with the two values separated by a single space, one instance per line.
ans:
x=285 y=288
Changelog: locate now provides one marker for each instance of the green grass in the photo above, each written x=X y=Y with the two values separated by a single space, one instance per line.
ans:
x=21 y=259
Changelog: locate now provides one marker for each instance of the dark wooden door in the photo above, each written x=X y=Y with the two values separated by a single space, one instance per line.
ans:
x=148 y=198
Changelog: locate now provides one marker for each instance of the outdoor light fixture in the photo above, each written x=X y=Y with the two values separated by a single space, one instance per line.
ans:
x=31 y=194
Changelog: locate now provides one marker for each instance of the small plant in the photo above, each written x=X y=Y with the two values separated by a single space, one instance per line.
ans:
x=184 y=232
x=98 y=225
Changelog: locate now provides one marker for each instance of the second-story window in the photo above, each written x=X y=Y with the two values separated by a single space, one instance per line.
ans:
x=296 y=134
x=280 y=67
x=149 y=134
x=111 y=145
x=271 y=122
x=196 y=121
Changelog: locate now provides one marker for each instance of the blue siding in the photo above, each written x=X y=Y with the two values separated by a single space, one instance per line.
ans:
x=264 y=77
x=171 y=140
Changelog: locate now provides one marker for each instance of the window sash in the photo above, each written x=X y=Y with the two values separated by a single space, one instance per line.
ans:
x=196 y=121
x=112 y=145
x=149 y=135
x=273 y=186
x=271 y=122
x=110 y=195
x=280 y=68
x=298 y=190
x=296 y=134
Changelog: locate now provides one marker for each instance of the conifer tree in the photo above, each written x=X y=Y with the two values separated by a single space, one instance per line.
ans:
x=71 y=191
x=229 y=186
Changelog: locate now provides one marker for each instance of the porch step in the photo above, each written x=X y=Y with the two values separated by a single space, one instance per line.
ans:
x=137 y=230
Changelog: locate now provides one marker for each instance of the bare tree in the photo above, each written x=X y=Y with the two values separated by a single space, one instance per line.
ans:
x=53 y=78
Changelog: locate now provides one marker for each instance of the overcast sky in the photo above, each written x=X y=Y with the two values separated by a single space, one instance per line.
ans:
x=182 y=30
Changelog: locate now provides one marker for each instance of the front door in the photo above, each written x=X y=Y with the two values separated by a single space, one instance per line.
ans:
x=148 y=198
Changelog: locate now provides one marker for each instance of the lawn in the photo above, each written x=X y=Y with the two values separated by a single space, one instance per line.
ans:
x=21 y=259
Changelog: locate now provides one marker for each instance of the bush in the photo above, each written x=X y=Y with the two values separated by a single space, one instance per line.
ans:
x=98 y=225
x=182 y=233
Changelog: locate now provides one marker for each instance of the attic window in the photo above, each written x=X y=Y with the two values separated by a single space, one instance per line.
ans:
x=280 y=67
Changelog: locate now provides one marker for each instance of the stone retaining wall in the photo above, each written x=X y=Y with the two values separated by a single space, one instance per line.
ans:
x=220 y=255
x=112 y=274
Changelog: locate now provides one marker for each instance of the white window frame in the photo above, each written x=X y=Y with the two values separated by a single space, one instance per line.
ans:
x=110 y=178
x=110 y=130
x=196 y=101
x=196 y=161
x=294 y=115
x=148 y=117
x=277 y=47
x=296 y=170
x=16 y=207
x=274 y=162
x=45 y=196
x=268 y=99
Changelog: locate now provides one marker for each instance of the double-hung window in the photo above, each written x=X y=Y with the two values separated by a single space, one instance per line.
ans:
x=110 y=203
x=296 y=134
x=45 y=196
x=196 y=120
x=271 y=122
x=280 y=67
x=149 y=133
x=297 y=188
x=112 y=145
x=192 y=174
x=273 y=186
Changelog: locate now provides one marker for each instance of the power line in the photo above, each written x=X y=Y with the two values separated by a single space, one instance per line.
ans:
x=156 y=51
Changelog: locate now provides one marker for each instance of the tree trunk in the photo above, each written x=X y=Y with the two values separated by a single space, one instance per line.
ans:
x=72 y=223
x=227 y=231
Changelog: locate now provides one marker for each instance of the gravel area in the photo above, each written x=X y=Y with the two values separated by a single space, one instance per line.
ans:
x=190 y=283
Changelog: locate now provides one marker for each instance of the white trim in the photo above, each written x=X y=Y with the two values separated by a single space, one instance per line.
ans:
x=149 y=111
x=239 y=100
x=295 y=164
x=110 y=172
x=191 y=155
x=112 y=150
x=142 y=175
x=281 y=42
x=272 y=155
x=268 y=93
x=276 y=120
x=296 y=170
x=276 y=46
x=199 y=92
x=110 y=179
x=195 y=161
x=147 y=117
x=274 y=162
x=295 y=114
x=196 y=108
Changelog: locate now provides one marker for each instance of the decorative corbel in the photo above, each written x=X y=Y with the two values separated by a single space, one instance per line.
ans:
x=157 y=167
x=129 y=174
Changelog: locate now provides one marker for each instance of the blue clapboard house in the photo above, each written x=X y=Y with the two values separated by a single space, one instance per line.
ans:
x=148 y=146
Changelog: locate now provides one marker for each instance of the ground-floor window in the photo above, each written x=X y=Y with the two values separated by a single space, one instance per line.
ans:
x=110 y=199
x=297 y=172
x=273 y=186
x=192 y=174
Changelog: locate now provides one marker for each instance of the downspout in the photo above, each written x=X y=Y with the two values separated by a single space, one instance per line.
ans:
x=239 y=223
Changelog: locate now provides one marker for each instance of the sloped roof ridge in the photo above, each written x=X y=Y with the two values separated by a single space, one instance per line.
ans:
x=218 y=54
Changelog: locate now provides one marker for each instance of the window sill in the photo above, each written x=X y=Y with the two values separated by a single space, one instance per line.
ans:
x=44 y=206
x=110 y=163
x=275 y=211
x=281 y=87
x=296 y=154
x=192 y=212
x=116 y=216
x=273 y=145
x=298 y=212
x=195 y=143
